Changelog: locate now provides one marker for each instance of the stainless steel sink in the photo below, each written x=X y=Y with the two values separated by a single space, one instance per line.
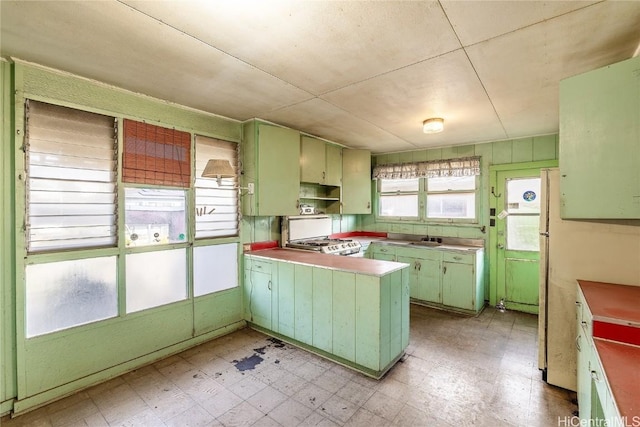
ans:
x=421 y=243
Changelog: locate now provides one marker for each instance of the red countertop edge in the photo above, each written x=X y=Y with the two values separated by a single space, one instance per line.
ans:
x=358 y=234
x=270 y=244
x=615 y=332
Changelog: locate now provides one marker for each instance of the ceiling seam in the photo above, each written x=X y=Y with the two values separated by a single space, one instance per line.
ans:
x=474 y=70
x=214 y=47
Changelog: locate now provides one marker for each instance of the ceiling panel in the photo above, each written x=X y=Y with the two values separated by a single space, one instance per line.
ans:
x=322 y=119
x=475 y=21
x=444 y=87
x=95 y=39
x=521 y=70
x=317 y=46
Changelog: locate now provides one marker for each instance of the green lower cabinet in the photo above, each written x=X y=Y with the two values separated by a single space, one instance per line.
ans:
x=445 y=278
x=359 y=320
x=456 y=291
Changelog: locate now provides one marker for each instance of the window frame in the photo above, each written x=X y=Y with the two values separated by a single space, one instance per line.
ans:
x=423 y=196
x=418 y=193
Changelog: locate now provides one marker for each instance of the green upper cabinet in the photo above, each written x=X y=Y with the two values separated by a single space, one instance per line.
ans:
x=320 y=162
x=356 y=181
x=271 y=161
x=600 y=143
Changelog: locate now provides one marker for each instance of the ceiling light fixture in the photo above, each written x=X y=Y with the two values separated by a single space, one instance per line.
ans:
x=433 y=125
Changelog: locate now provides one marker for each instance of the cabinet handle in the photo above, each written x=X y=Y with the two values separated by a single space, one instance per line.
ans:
x=584 y=325
x=444 y=270
x=384 y=250
x=594 y=376
x=457 y=258
x=323 y=175
x=578 y=304
x=419 y=266
x=368 y=205
x=259 y=266
x=297 y=204
x=578 y=343
x=269 y=285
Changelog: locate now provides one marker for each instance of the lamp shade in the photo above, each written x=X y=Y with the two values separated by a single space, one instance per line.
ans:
x=433 y=125
x=218 y=168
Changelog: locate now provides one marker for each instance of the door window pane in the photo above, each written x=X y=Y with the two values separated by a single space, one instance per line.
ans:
x=70 y=293
x=454 y=205
x=522 y=232
x=156 y=278
x=523 y=195
x=154 y=216
x=401 y=205
x=215 y=268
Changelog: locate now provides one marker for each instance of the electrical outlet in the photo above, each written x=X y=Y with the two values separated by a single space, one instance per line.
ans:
x=250 y=187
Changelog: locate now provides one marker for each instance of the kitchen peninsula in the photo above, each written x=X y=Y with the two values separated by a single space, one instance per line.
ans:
x=354 y=311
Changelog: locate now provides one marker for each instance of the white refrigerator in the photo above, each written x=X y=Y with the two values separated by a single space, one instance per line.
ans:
x=570 y=250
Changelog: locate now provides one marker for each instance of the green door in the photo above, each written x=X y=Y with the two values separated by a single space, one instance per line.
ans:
x=518 y=240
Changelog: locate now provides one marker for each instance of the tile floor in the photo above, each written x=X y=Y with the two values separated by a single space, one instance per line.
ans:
x=459 y=371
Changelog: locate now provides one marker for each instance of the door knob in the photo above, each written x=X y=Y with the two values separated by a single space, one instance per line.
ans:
x=500 y=246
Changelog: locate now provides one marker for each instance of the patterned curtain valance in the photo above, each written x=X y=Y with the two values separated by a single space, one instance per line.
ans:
x=467 y=166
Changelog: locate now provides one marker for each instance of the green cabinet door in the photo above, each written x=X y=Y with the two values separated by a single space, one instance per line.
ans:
x=320 y=162
x=458 y=288
x=259 y=287
x=271 y=163
x=312 y=160
x=333 y=174
x=600 y=143
x=429 y=283
x=414 y=279
x=356 y=181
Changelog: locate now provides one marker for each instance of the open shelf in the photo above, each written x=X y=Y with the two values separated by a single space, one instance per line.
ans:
x=324 y=198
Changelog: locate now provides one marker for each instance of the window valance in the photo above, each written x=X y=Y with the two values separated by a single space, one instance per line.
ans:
x=466 y=166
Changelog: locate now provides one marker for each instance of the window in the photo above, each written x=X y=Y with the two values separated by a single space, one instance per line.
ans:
x=399 y=197
x=71 y=169
x=438 y=191
x=451 y=197
x=154 y=216
x=216 y=200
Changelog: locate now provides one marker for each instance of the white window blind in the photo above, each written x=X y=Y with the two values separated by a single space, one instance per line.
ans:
x=216 y=200
x=71 y=169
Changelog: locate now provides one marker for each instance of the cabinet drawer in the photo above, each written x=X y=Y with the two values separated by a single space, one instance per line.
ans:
x=382 y=249
x=463 y=258
x=420 y=253
x=261 y=266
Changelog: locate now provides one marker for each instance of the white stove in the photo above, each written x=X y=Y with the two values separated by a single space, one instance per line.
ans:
x=311 y=233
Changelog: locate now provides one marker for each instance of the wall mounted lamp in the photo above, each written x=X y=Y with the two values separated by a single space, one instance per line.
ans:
x=433 y=125
x=221 y=168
